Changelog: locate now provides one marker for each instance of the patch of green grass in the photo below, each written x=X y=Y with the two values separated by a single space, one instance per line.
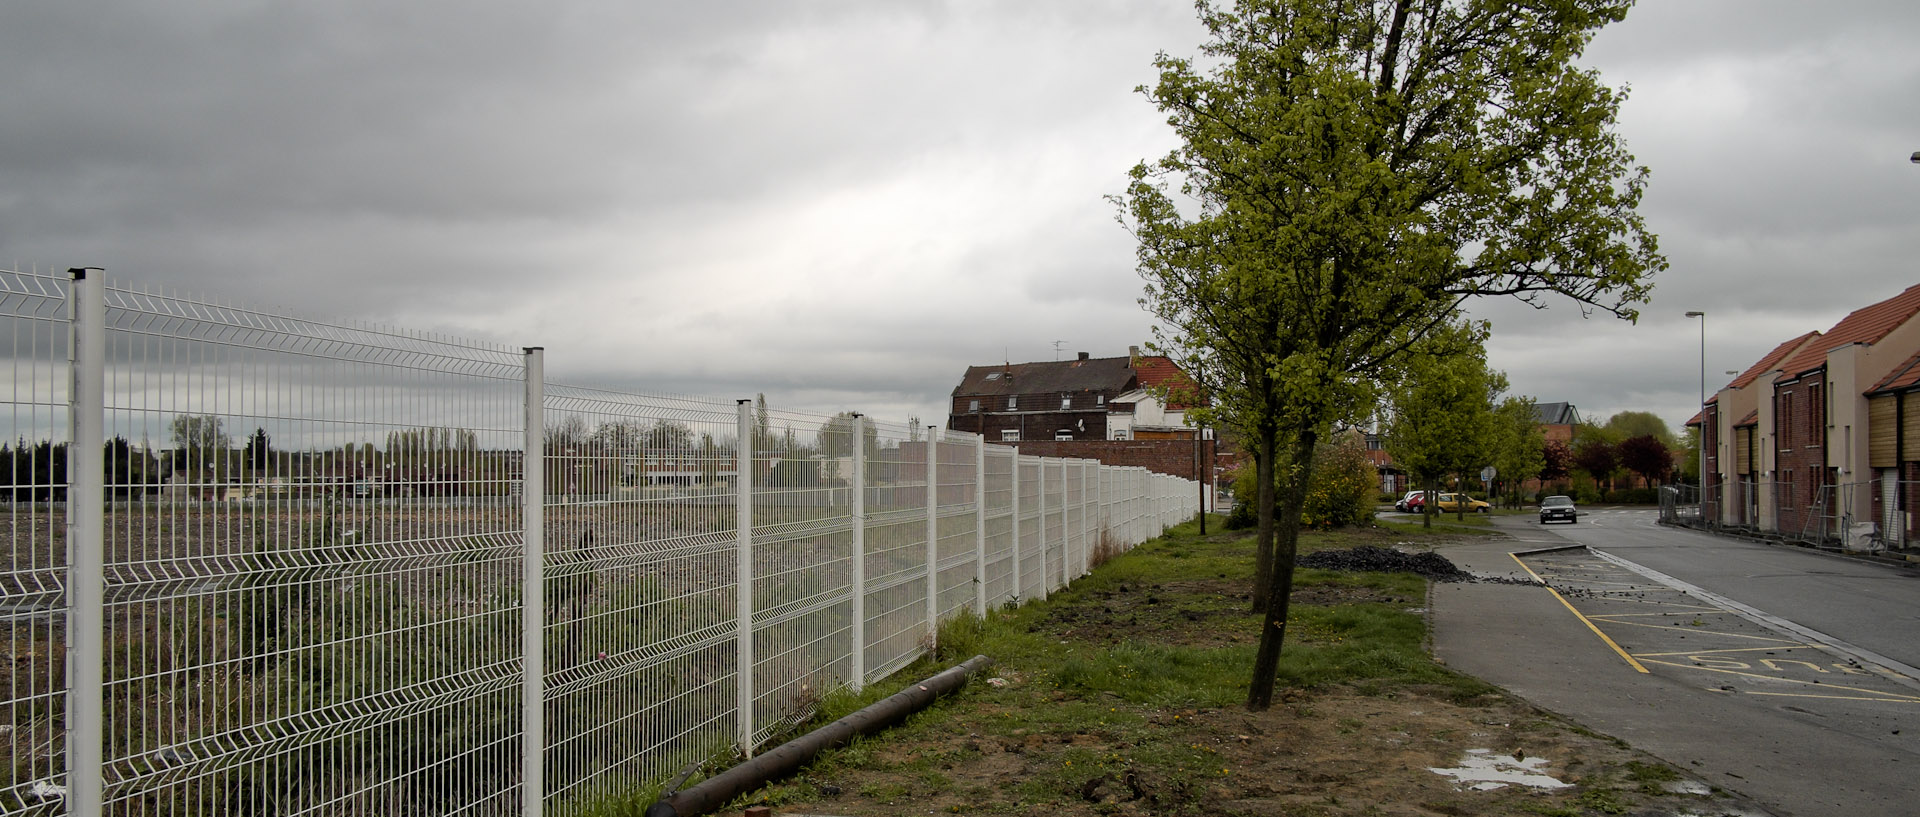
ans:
x=1160 y=675
x=1651 y=778
x=1604 y=801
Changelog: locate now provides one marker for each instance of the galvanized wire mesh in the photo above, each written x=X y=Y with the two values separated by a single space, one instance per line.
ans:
x=316 y=541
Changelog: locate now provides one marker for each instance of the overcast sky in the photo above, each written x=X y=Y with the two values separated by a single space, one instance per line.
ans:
x=844 y=204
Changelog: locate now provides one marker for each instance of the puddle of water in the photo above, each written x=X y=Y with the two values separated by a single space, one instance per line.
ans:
x=1482 y=770
x=1686 y=787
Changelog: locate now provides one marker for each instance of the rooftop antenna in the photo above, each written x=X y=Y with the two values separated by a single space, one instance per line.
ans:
x=1057 y=345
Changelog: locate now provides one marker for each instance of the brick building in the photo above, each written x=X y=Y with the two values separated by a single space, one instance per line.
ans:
x=1792 y=440
x=1087 y=398
x=1124 y=411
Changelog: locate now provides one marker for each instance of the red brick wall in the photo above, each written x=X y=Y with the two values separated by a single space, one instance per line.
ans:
x=1171 y=457
x=1800 y=465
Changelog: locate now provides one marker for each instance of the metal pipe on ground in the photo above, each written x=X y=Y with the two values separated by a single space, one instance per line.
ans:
x=710 y=794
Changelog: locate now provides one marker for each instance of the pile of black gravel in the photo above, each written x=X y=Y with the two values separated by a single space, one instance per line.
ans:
x=1387 y=560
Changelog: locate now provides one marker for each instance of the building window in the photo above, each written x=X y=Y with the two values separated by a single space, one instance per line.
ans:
x=1120 y=434
x=1063 y=434
x=973 y=406
x=1783 y=421
x=1009 y=435
x=1786 y=490
x=1066 y=401
x=1013 y=402
x=1099 y=399
x=993 y=375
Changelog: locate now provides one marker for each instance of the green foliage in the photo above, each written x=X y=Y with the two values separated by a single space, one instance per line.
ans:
x=1628 y=424
x=1442 y=418
x=1343 y=486
x=1342 y=491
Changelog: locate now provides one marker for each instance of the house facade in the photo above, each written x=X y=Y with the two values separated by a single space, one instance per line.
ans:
x=1087 y=398
x=1791 y=442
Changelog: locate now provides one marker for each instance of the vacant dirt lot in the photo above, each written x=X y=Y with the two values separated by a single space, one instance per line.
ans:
x=1027 y=744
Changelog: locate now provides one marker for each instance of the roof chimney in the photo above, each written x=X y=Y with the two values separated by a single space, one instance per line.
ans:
x=1083 y=355
x=1133 y=356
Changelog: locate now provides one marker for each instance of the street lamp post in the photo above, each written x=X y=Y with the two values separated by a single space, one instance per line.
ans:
x=1701 y=442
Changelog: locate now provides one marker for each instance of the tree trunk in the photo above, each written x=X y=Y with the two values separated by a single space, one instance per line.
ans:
x=1263 y=469
x=1273 y=629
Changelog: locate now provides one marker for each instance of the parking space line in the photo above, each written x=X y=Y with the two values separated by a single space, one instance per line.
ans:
x=1719 y=652
x=1699 y=630
x=1583 y=619
x=1894 y=670
x=1873 y=695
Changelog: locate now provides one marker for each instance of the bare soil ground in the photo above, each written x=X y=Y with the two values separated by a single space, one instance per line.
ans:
x=1022 y=744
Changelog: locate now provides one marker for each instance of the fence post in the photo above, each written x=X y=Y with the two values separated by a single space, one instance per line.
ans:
x=933 y=536
x=1046 y=576
x=86 y=553
x=1017 y=587
x=980 y=526
x=859 y=512
x=533 y=591
x=743 y=574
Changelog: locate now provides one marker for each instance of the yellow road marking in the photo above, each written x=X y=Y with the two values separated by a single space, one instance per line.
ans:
x=1583 y=619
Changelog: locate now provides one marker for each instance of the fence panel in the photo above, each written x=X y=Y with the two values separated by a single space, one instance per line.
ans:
x=312 y=593
x=896 y=534
x=321 y=544
x=956 y=551
x=1032 y=525
x=33 y=308
x=639 y=633
x=998 y=491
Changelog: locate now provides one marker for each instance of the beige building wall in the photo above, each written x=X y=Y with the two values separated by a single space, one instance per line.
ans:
x=1764 y=448
x=1851 y=370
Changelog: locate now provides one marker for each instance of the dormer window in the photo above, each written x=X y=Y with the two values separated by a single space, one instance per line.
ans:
x=1066 y=401
x=1013 y=402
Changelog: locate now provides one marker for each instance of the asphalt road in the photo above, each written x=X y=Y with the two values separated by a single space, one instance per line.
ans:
x=1783 y=674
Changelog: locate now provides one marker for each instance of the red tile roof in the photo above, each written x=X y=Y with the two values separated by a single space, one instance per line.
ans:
x=1903 y=377
x=1772 y=360
x=1866 y=325
x=1158 y=371
x=1752 y=418
x=1695 y=419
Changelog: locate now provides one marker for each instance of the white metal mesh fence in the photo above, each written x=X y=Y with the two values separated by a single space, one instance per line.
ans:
x=261 y=564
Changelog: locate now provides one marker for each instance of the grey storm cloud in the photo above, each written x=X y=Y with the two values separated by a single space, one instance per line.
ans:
x=843 y=204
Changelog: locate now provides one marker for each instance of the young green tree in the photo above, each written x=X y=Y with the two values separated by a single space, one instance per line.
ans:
x=201 y=445
x=1628 y=424
x=1349 y=172
x=1521 y=451
x=1441 y=415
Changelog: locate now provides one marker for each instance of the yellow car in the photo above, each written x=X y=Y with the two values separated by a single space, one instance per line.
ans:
x=1450 y=503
